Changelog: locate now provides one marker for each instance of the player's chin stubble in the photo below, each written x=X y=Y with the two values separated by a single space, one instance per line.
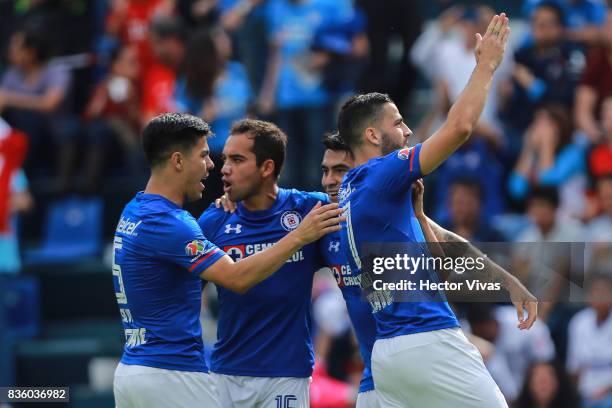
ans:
x=388 y=144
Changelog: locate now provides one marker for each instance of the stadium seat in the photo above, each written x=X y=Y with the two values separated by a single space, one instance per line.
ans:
x=20 y=303
x=72 y=231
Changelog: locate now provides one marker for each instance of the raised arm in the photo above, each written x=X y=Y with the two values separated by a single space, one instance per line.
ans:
x=492 y=272
x=242 y=275
x=465 y=113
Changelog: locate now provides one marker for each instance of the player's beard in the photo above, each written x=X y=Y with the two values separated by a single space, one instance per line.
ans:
x=250 y=190
x=388 y=145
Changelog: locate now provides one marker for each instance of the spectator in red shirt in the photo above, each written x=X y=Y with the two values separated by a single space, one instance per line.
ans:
x=168 y=39
x=600 y=158
x=596 y=84
x=129 y=21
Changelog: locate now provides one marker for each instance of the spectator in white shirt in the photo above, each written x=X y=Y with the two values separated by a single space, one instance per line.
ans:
x=514 y=350
x=589 y=357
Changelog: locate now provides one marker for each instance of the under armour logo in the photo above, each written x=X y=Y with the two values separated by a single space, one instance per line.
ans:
x=334 y=246
x=237 y=229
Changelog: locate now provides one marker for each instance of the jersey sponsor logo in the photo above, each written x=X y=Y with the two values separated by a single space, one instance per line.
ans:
x=127 y=226
x=236 y=230
x=194 y=248
x=404 y=154
x=290 y=220
x=237 y=252
x=342 y=273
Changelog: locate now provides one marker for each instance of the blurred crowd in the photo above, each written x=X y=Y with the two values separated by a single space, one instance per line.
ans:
x=81 y=78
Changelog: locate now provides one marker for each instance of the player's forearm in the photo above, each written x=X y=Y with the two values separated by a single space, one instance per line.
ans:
x=462 y=118
x=431 y=239
x=457 y=246
x=465 y=112
x=253 y=269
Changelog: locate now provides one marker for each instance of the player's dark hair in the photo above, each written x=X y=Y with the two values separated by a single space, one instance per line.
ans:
x=555 y=8
x=549 y=194
x=357 y=113
x=171 y=132
x=333 y=141
x=169 y=27
x=269 y=141
x=36 y=41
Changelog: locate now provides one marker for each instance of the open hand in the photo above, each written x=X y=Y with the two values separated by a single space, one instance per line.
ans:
x=491 y=47
x=320 y=220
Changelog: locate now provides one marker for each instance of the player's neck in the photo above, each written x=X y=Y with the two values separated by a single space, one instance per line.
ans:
x=263 y=200
x=160 y=185
x=365 y=154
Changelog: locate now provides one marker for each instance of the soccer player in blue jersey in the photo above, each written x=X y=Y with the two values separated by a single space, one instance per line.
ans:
x=420 y=358
x=337 y=161
x=263 y=356
x=161 y=259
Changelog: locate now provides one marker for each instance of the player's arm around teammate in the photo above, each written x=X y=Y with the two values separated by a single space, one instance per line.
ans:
x=242 y=275
x=492 y=272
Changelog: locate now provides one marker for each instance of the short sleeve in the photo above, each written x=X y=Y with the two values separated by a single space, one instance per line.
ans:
x=398 y=169
x=58 y=78
x=7 y=80
x=210 y=221
x=185 y=245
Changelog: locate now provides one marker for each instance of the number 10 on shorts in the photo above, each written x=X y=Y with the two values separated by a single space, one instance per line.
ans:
x=285 y=401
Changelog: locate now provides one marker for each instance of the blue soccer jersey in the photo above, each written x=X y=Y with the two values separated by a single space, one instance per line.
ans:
x=159 y=253
x=266 y=332
x=358 y=309
x=377 y=199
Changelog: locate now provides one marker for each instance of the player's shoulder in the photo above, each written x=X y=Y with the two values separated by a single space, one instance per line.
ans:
x=151 y=217
x=213 y=214
x=212 y=219
x=298 y=199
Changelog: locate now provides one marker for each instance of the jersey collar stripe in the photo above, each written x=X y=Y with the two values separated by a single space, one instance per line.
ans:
x=195 y=265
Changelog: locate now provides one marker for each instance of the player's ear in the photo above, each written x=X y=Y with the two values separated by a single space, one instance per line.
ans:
x=177 y=160
x=372 y=136
x=267 y=168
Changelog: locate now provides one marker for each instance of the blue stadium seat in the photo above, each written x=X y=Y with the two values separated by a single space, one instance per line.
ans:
x=73 y=230
x=20 y=305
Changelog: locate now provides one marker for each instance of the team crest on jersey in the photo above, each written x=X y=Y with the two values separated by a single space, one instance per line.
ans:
x=194 y=248
x=404 y=154
x=236 y=252
x=290 y=220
